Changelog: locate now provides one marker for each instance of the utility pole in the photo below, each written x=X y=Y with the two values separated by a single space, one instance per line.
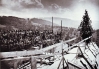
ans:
x=61 y=29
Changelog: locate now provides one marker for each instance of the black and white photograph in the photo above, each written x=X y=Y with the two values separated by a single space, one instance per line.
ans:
x=49 y=34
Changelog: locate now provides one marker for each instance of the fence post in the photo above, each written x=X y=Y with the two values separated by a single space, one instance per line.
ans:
x=41 y=61
x=15 y=64
x=33 y=62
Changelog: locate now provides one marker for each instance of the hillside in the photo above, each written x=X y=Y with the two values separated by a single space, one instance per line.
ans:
x=41 y=22
x=15 y=23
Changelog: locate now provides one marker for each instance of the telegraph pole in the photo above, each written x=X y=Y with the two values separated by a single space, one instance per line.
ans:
x=61 y=29
x=62 y=47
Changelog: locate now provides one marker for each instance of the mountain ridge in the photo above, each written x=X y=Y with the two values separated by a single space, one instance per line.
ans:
x=12 y=22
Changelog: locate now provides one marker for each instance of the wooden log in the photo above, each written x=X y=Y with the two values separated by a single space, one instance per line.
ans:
x=59 y=64
x=16 y=64
x=83 y=64
x=91 y=51
x=86 y=59
x=40 y=61
x=33 y=62
x=74 y=65
x=88 y=62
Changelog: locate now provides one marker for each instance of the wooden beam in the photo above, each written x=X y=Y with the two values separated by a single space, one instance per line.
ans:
x=88 y=62
x=59 y=64
x=15 y=64
x=20 y=53
x=30 y=52
x=91 y=51
x=86 y=59
x=75 y=45
x=74 y=65
x=83 y=64
x=33 y=63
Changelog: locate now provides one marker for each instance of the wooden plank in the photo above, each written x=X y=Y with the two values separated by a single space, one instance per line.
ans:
x=25 y=65
x=74 y=65
x=86 y=59
x=15 y=64
x=55 y=45
x=17 y=58
x=83 y=64
x=33 y=63
x=88 y=62
x=29 y=53
x=19 y=53
x=75 y=45
x=70 y=40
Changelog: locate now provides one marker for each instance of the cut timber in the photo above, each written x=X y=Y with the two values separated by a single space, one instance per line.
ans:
x=83 y=64
x=33 y=62
x=30 y=52
x=75 y=45
x=88 y=62
x=86 y=59
x=74 y=65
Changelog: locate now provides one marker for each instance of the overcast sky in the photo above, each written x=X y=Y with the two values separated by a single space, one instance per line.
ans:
x=72 y=9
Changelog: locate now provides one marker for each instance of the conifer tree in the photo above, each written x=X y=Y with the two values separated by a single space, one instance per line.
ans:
x=86 y=28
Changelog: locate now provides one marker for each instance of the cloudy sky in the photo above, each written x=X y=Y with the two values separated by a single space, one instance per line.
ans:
x=72 y=9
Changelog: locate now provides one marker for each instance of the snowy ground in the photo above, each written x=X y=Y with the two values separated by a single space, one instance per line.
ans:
x=71 y=57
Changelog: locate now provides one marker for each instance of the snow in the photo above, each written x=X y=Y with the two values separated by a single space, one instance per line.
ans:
x=73 y=52
x=55 y=65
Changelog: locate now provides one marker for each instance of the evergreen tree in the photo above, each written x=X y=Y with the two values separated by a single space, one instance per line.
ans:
x=86 y=28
